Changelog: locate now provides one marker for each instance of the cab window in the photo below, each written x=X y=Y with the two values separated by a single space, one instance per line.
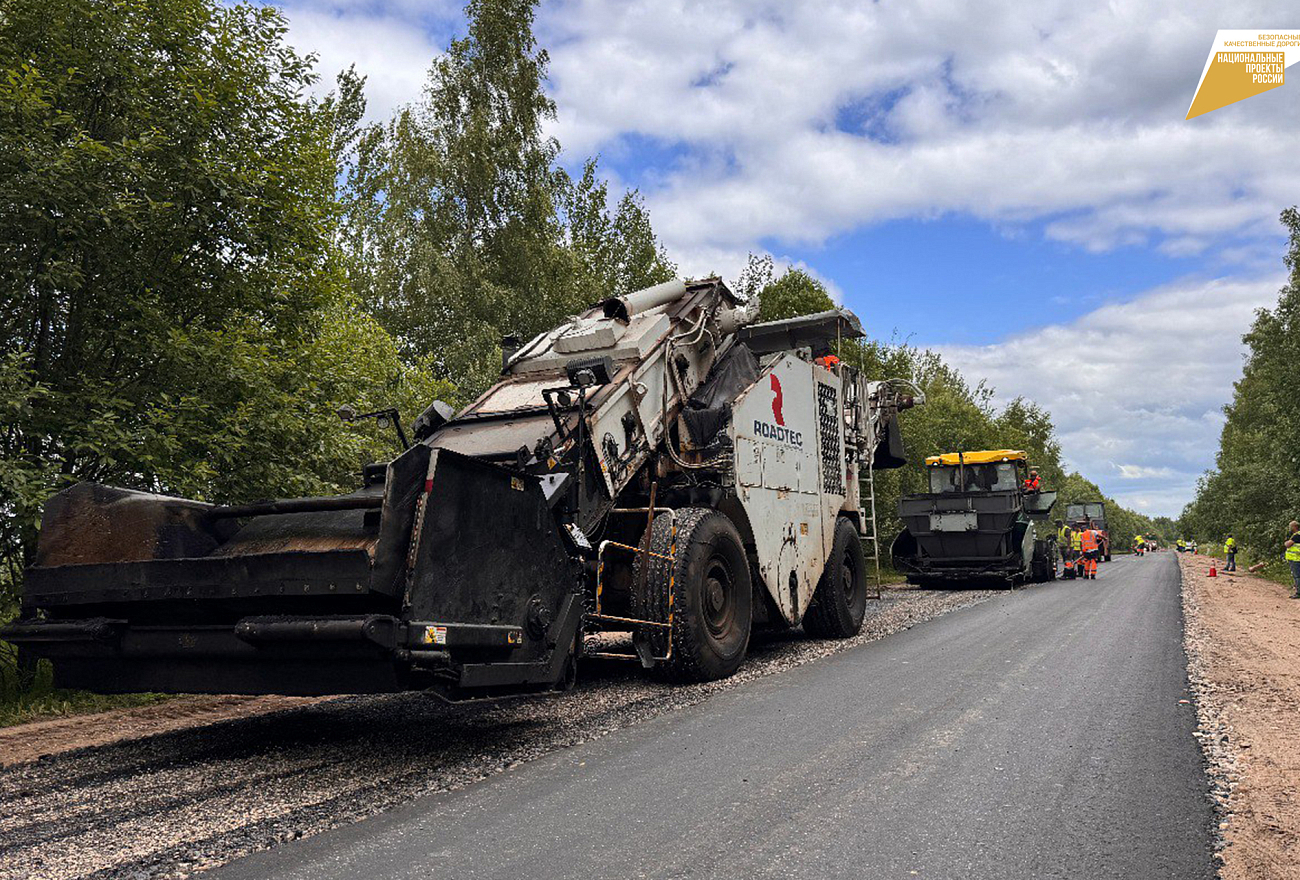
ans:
x=945 y=480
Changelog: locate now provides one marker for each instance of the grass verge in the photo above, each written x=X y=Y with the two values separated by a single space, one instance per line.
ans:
x=31 y=695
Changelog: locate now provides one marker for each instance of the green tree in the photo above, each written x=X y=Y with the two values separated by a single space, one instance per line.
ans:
x=612 y=254
x=462 y=227
x=1164 y=528
x=173 y=311
x=794 y=293
x=1254 y=490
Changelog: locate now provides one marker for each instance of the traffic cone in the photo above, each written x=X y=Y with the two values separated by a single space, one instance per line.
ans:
x=1213 y=573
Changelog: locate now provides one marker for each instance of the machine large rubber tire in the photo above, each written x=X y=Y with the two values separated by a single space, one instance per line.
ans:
x=711 y=594
x=1043 y=566
x=840 y=602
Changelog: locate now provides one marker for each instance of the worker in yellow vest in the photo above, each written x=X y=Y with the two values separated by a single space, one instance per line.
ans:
x=1293 y=558
x=1230 y=554
x=1139 y=545
x=1076 y=551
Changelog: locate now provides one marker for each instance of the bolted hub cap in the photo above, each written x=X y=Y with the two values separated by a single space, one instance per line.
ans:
x=719 y=606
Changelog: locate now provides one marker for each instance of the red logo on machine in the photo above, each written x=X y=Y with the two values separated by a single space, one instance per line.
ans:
x=778 y=432
x=776 y=400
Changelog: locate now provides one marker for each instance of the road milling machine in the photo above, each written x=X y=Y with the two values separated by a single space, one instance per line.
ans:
x=977 y=525
x=658 y=467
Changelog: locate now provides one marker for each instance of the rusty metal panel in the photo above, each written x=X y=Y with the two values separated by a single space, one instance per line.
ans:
x=331 y=530
x=269 y=575
x=89 y=523
x=494 y=438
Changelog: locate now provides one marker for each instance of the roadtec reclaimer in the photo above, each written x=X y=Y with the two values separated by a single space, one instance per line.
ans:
x=976 y=525
x=655 y=466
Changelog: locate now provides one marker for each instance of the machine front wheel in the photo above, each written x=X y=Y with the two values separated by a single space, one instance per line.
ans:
x=840 y=601
x=699 y=579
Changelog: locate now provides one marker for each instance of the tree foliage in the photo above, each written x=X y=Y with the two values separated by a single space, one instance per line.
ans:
x=462 y=227
x=794 y=293
x=173 y=310
x=1253 y=490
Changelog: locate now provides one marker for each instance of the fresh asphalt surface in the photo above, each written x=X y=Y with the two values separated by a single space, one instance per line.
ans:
x=1038 y=734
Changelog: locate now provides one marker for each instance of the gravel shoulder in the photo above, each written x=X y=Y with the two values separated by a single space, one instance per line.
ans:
x=167 y=804
x=1243 y=646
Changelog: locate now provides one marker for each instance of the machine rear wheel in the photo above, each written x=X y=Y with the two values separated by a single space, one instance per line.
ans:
x=840 y=602
x=706 y=588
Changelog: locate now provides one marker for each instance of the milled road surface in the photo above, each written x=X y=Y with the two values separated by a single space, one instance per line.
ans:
x=1037 y=734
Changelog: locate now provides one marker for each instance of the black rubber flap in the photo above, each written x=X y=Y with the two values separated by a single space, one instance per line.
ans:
x=890 y=453
x=708 y=411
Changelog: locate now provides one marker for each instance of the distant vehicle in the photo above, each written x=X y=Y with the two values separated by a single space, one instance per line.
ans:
x=976 y=524
x=1090 y=515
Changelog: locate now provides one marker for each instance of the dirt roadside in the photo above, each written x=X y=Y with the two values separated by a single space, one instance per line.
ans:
x=1243 y=646
x=28 y=742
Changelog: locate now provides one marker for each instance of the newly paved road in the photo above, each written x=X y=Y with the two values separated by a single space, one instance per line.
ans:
x=1038 y=734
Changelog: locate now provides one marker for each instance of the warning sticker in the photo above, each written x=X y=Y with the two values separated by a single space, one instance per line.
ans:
x=435 y=635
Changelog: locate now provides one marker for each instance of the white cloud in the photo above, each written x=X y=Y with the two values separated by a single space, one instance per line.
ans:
x=392 y=45
x=799 y=121
x=1139 y=472
x=1141 y=382
x=1057 y=110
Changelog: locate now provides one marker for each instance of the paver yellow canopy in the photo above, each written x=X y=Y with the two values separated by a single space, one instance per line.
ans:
x=631 y=470
x=986 y=456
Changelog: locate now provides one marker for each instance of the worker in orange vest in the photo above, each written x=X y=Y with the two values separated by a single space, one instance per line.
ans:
x=1032 y=484
x=1091 y=545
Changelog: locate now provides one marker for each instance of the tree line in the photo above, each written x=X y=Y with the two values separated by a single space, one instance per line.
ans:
x=202 y=261
x=1253 y=491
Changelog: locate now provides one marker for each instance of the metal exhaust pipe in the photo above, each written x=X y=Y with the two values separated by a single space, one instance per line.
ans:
x=624 y=307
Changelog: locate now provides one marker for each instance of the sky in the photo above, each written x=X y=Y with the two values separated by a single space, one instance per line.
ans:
x=1016 y=188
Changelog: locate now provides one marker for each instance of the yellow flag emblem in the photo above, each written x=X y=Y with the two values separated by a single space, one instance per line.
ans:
x=1243 y=64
